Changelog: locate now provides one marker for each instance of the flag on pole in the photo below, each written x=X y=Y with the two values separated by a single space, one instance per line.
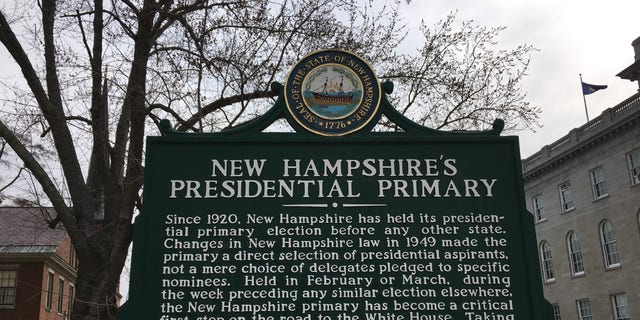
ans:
x=591 y=88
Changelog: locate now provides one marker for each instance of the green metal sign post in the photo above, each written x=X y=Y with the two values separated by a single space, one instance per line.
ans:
x=334 y=221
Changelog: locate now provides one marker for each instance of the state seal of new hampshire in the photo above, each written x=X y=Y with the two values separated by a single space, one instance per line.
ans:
x=332 y=93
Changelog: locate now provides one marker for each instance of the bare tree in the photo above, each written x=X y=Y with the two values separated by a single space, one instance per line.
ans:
x=99 y=75
x=461 y=79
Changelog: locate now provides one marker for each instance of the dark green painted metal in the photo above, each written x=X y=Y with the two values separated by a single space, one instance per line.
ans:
x=185 y=156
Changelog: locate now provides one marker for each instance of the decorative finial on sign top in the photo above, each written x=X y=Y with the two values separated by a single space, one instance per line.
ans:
x=165 y=126
x=498 y=126
x=276 y=87
x=387 y=87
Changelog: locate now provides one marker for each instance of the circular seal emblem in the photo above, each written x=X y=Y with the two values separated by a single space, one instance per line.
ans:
x=332 y=93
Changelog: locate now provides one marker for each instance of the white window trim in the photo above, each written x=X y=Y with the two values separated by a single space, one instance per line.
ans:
x=634 y=178
x=60 y=304
x=538 y=206
x=571 y=255
x=580 y=315
x=594 y=183
x=605 y=249
x=547 y=268
x=48 y=302
x=615 y=307
x=71 y=294
x=563 y=197
x=11 y=268
x=556 y=311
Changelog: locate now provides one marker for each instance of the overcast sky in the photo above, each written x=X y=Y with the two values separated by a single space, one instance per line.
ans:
x=589 y=37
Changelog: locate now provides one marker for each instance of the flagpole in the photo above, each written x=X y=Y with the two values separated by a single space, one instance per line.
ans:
x=583 y=98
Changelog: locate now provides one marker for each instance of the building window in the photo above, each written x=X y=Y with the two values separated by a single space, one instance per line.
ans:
x=547 y=262
x=598 y=183
x=620 y=307
x=609 y=246
x=72 y=294
x=633 y=163
x=49 y=296
x=584 y=309
x=7 y=288
x=60 y=295
x=73 y=260
x=575 y=254
x=556 y=312
x=538 y=208
x=566 y=201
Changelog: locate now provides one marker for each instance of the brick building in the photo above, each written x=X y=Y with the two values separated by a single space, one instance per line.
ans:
x=37 y=266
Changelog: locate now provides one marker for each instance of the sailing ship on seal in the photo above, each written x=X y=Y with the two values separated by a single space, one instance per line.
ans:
x=325 y=98
x=332 y=92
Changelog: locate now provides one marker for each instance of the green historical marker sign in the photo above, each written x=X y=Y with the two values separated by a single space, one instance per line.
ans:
x=334 y=221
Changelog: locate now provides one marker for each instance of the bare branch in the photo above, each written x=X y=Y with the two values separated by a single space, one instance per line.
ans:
x=83 y=119
x=48 y=186
x=220 y=103
x=12 y=180
x=84 y=36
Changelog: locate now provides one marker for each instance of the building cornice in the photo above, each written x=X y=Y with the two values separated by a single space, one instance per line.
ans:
x=631 y=72
x=610 y=123
x=50 y=258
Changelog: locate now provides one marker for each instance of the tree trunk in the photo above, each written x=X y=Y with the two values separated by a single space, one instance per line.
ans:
x=95 y=291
